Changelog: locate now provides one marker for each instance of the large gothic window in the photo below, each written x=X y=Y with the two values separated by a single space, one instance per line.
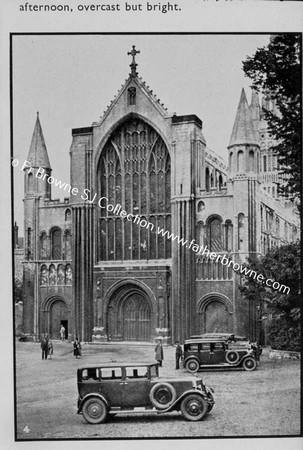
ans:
x=134 y=176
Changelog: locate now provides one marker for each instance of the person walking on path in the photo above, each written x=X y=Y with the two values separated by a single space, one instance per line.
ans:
x=159 y=356
x=62 y=333
x=179 y=354
x=77 y=348
x=44 y=347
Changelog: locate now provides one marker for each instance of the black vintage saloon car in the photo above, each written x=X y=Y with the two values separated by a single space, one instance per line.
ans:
x=106 y=390
x=220 y=350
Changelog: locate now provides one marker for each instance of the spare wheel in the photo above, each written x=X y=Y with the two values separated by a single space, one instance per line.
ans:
x=162 y=395
x=232 y=357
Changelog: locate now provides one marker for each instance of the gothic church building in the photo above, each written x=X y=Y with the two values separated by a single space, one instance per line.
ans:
x=90 y=265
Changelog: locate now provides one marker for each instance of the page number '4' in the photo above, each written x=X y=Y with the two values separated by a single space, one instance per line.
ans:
x=26 y=429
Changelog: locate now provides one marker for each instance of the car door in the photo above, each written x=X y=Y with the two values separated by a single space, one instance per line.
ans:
x=136 y=387
x=217 y=353
x=204 y=354
x=112 y=385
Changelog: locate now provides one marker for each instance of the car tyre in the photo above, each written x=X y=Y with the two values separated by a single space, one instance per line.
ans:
x=194 y=407
x=94 y=410
x=232 y=357
x=192 y=366
x=249 y=363
x=162 y=395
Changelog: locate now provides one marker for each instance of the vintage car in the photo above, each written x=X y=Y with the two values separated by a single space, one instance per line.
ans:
x=220 y=350
x=106 y=390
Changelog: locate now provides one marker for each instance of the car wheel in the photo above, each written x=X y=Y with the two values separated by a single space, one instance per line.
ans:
x=232 y=357
x=94 y=410
x=192 y=366
x=193 y=407
x=249 y=363
x=211 y=398
x=162 y=395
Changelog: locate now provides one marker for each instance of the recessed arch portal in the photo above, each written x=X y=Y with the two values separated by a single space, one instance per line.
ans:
x=215 y=313
x=55 y=311
x=129 y=314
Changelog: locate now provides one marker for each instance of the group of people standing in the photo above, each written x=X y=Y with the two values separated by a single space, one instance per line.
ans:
x=47 y=347
x=159 y=354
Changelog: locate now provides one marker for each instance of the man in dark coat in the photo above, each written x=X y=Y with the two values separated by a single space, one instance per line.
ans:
x=44 y=347
x=179 y=354
x=159 y=352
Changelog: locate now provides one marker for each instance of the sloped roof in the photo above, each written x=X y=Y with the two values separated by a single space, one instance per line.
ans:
x=243 y=130
x=142 y=85
x=37 y=154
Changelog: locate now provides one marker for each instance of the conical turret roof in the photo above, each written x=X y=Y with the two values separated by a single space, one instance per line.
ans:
x=243 y=129
x=37 y=154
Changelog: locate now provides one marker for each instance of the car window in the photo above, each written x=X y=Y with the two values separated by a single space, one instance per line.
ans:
x=136 y=372
x=90 y=374
x=205 y=346
x=217 y=346
x=111 y=373
x=193 y=347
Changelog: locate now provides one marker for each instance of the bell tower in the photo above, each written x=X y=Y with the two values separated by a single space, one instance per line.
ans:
x=36 y=189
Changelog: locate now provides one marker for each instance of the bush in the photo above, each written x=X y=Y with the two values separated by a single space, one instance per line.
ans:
x=284 y=335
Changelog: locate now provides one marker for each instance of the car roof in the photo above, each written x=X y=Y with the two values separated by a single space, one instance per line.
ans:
x=218 y=335
x=206 y=340
x=117 y=364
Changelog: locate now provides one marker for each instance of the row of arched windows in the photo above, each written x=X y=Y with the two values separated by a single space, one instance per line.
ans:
x=213 y=179
x=56 y=276
x=56 y=245
x=213 y=270
x=270 y=223
x=237 y=162
x=219 y=236
x=269 y=163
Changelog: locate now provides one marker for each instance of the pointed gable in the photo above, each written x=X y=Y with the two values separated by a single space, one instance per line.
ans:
x=37 y=154
x=134 y=82
x=243 y=130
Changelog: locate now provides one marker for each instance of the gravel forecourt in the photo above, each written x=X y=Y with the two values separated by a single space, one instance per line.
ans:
x=265 y=402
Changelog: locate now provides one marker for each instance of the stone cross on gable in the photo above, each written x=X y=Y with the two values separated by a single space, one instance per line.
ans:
x=133 y=65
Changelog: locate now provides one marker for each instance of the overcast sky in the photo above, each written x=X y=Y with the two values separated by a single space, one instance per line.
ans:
x=71 y=80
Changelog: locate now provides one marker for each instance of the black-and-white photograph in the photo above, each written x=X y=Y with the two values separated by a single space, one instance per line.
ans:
x=156 y=219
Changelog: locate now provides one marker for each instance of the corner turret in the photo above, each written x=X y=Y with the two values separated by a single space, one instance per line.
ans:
x=243 y=149
x=36 y=184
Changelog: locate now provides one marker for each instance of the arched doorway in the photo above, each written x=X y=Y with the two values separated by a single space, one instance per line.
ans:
x=129 y=315
x=216 y=318
x=136 y=318
x=58 y=315
x=215 y=313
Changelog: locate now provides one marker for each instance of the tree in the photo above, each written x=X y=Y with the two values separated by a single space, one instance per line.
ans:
x=275 y=71
x=283 y=266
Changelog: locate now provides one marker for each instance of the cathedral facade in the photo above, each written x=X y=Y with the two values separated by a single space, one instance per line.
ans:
x=118 y=259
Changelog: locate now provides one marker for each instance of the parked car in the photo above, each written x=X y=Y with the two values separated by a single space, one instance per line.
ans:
x=220 y=350
x=106 y=390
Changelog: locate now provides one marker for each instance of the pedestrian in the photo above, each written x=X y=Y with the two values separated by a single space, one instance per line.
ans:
x=77 y=348
x=50 y=349
x=62 y=333
x=179 y=354
x=159 y=356
x=44 y=347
